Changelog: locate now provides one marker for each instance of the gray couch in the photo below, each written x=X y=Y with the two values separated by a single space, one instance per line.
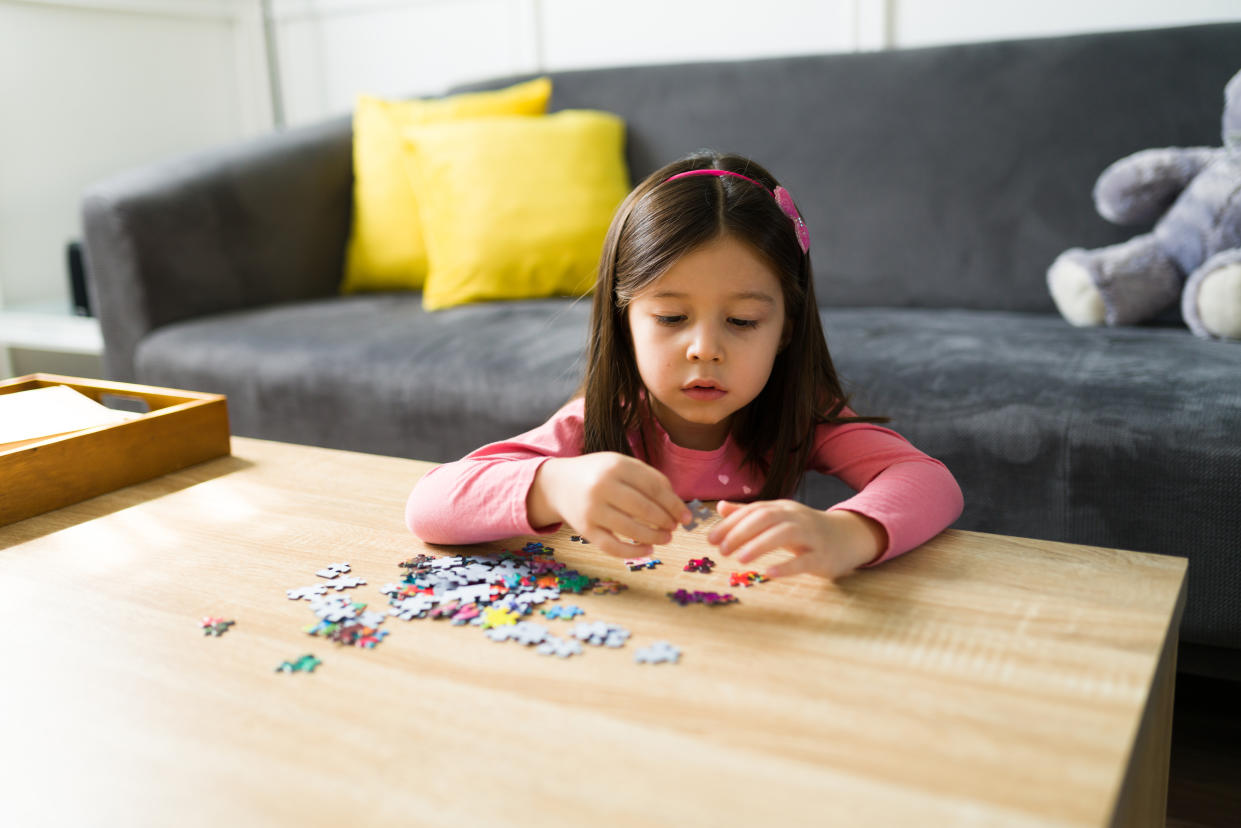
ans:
x=938 y=185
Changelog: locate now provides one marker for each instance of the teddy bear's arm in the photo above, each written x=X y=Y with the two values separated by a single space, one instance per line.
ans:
x=1139 y=187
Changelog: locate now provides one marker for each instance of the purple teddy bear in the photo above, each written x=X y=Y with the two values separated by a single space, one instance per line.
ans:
x=1193 y=251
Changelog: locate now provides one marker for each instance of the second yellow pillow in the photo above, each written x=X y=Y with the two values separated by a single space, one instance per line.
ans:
x=386 y=250
x=516 y=208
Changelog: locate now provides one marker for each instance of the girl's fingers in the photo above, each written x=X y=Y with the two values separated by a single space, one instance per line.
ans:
x=646 y=493
x=614 y=546
x=778 y=536
x=747 y=525
x=656 y=487
x=732 y=514
x=624 y=525
x=638 y=505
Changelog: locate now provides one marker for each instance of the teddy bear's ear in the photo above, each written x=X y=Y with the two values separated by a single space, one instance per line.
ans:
x=1232 y=112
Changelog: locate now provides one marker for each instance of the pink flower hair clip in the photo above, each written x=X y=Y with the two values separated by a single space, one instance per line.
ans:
x=790 y=209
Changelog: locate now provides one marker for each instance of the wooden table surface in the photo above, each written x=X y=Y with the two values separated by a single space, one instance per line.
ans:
x=979 y=680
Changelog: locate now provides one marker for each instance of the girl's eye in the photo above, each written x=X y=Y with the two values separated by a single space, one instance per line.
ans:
x=669 y=320
x=743 y=323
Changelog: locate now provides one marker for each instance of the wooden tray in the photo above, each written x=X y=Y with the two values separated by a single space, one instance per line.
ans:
x=179 y=429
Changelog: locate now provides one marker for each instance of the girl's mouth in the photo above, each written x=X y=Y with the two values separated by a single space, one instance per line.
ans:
x=703 y=390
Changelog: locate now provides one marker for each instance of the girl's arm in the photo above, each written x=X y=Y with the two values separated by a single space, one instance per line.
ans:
x=534 y=482
x=903 y=499
x=910 y=494
x=483 y=496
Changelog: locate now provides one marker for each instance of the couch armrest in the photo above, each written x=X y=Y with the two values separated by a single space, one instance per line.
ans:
x=251 y=223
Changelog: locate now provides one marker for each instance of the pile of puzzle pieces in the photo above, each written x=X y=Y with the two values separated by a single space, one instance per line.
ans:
x=341 y=619
x=496 y=594
x=492 y=593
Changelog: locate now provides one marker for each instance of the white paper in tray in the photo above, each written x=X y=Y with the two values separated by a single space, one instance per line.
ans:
x=47 y=412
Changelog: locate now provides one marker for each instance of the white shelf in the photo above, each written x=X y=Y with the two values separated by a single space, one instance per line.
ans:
x=49 y=327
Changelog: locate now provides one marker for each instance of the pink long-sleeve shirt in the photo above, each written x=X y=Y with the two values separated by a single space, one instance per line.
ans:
x=482 y=497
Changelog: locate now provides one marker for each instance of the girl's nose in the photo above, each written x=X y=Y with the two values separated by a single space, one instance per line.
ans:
x=704 y=346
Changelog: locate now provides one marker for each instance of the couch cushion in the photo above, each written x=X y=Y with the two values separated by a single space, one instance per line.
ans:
x=1054 y=432
x=1063 y=433
x=377 y=373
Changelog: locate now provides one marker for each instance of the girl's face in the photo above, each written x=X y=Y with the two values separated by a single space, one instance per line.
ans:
x=705 y=336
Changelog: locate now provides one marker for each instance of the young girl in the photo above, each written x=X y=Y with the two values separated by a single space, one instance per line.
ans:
x=708 y=377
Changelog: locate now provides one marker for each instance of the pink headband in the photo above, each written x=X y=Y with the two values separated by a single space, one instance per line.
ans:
x=781 y=195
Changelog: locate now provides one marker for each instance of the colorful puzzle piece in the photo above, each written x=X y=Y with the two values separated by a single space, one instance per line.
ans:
x=562 y=647
x=358 y=635
x=684 y=597
x=414 y=606
x=215 y=626
x=568 y=613
x=498 y=617
x=335 y=608
x=635 y=564
x=575 y=583
x=746 y=579
x=332 y=570
x=698 y=512
x=608 y=587
x=601 y=633
x=523 y=632
x=303 y=664
x=306 y=592
x=545 y=566
x=704 y=565
x=660 y=652
x=343 y=583
x=416 y=562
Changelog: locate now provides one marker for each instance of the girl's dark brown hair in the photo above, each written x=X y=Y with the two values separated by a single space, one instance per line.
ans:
x=657 y=224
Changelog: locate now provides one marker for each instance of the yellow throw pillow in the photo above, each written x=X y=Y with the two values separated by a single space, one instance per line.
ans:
x=385 y=250
x=516 y=208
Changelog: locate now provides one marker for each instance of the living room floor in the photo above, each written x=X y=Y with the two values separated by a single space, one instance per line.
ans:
x=1204 y=786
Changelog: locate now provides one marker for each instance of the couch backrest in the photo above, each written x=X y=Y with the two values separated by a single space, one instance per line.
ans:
x=940 y=177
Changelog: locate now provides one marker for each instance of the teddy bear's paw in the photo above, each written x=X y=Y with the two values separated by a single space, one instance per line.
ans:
x=1074 y=290
x=1121 y=284
x=1211 y=303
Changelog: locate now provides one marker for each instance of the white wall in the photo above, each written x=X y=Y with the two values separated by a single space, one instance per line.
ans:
x=330 y=50
x=935 y=22
x=88 y=87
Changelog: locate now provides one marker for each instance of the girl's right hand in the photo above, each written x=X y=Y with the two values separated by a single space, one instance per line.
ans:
x=608 y=498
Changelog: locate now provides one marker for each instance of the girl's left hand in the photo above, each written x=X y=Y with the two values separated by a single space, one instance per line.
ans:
x=831 y=544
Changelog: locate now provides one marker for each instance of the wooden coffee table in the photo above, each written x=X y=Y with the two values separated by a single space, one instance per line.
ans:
x=978 y=680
